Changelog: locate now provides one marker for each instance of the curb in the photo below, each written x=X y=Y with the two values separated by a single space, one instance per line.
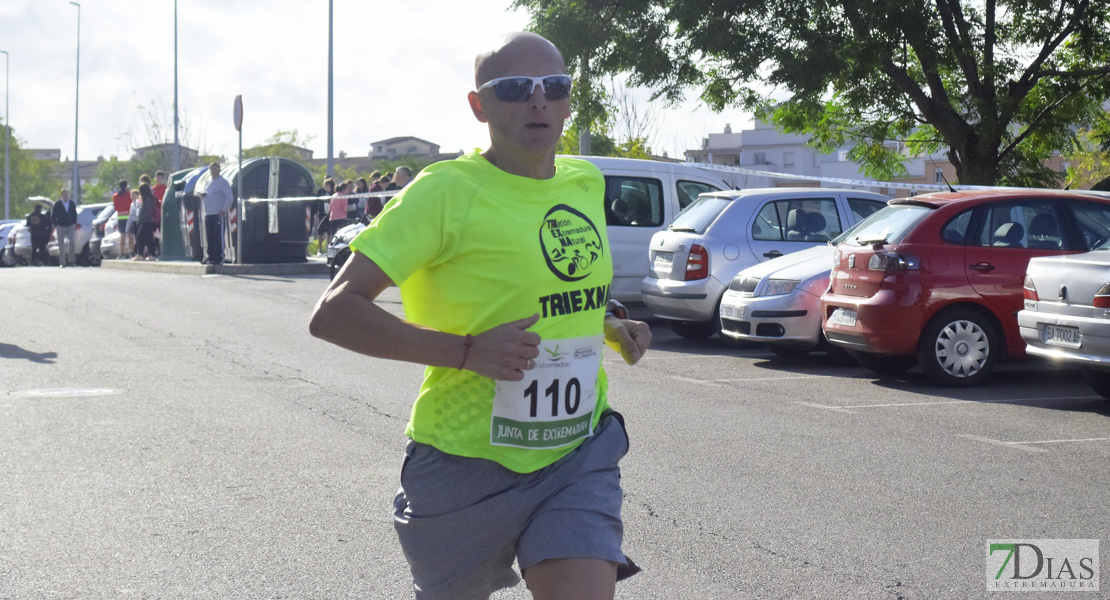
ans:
x=182 y=267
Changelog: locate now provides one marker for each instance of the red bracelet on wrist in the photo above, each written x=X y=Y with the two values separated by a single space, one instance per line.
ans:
x=466 y=350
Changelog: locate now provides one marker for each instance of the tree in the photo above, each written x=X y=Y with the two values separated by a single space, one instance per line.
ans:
x=998 y=85
x=28 y=176
x=1089 y=164
x=282 y=143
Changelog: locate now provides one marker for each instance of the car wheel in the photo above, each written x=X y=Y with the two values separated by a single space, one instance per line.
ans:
x=94 y=259
x=337 y=262
x=959 y=348
x=694 y=330
x=884 y=364
x=1099 y=381
x=786 y=351
x=7 y=259
x=83 y=257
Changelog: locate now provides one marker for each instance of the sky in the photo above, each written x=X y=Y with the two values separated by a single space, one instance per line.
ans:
x=401 y=68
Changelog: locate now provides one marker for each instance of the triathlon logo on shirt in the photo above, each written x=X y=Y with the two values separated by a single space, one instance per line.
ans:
x=570 y=242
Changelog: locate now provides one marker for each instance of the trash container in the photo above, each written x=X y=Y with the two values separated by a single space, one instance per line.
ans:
x=182 y=220
x=272 y=227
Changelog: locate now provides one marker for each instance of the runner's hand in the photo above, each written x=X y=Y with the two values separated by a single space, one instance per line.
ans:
x=505 y=351
x=629 y=338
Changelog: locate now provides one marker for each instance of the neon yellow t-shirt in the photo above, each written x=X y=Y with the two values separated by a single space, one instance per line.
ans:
x=473 y=247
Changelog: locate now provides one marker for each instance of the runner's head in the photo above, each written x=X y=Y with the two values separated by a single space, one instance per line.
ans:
x=524 y=115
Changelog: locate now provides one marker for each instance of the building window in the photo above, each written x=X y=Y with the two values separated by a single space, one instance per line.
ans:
x=938 y=175
x=760 y=158
x=788 y=159
x=1064 y=166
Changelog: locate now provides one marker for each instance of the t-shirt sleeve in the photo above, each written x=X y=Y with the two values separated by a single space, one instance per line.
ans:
x=410 y=232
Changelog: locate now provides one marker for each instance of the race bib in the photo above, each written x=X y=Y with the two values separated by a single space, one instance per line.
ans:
x=554 y=405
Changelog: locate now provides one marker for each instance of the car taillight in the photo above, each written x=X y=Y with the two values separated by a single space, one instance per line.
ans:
x=697 y=264
x=893 y=261
x=1102 y=297
x=1028 y=290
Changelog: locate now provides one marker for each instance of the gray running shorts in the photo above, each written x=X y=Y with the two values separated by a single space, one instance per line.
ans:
x=461 y=521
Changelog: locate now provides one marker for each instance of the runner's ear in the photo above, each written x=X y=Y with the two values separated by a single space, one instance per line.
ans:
x=476 y=106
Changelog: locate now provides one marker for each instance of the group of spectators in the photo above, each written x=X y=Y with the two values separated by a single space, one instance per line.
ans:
x=139 y=214
x=62 y=220
x=343 y=206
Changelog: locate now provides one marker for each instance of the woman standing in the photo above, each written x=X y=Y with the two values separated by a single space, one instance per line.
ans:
x=144 y=244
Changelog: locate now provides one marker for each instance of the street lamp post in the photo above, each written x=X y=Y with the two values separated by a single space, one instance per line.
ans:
x=331 y=161
x=76 y=111
x=7 y=138
x=176 y=140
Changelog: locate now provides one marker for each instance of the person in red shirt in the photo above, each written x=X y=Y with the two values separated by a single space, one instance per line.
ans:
x=121 y=200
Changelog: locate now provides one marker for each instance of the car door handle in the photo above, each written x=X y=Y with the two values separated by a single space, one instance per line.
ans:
x=772 y=254
x=984 y=267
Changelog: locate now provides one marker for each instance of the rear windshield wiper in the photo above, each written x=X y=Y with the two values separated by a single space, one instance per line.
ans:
x=684 y=229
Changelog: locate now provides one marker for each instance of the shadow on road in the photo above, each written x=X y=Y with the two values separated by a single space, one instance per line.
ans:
x=13 y=351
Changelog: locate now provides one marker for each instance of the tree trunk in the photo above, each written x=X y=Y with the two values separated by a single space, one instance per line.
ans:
x=977 y=162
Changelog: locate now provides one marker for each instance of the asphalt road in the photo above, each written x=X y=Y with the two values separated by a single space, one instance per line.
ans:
x=175 y=436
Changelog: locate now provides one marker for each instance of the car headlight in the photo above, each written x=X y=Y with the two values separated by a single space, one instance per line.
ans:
x=778 y=287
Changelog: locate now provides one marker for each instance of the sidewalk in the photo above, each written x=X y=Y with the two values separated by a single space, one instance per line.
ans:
x=312 y=266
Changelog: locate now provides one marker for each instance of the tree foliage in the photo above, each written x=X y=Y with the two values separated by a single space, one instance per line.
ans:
x=28 y=176
x=998 y=85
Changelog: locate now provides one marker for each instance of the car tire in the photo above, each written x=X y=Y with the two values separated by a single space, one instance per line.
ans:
x=883 y=364
x=83 y=257
x=958 y=348
x=786 y=351
x=1098 y=380
x=337 y=262
x=94 y=259
x=694 y=330
x=7 y=259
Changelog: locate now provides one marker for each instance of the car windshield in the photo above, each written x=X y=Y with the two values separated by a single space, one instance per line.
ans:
x=888 y=226
x=700 y=214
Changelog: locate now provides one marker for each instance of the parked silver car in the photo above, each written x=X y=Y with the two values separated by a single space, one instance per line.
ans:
x=17 y=249
x=83 y=233
x=5 y=259
x=1066 y=314
x=722 y=233
x=778 y=302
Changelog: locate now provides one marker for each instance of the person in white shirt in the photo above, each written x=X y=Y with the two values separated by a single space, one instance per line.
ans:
x=217 y=201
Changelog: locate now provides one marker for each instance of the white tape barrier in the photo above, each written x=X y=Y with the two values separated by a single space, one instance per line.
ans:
x=389 y=194
x=838 y=180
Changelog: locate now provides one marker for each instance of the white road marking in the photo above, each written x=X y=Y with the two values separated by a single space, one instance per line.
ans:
x=773 y=378
x=694 y=381
x=1001 y=443
x=1062 y=441
x=908 y=404
x=826 y=407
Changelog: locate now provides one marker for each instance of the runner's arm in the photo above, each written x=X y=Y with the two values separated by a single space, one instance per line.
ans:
x=347 y=316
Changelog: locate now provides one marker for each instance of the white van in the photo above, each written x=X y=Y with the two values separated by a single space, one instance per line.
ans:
x=641 y=198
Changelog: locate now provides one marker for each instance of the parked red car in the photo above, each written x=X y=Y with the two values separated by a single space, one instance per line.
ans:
x=936 y=280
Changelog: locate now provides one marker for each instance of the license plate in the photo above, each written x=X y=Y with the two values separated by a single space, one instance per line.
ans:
x=732 y=312
x=663 y=261
x=843 y=317
x=1056 y=335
